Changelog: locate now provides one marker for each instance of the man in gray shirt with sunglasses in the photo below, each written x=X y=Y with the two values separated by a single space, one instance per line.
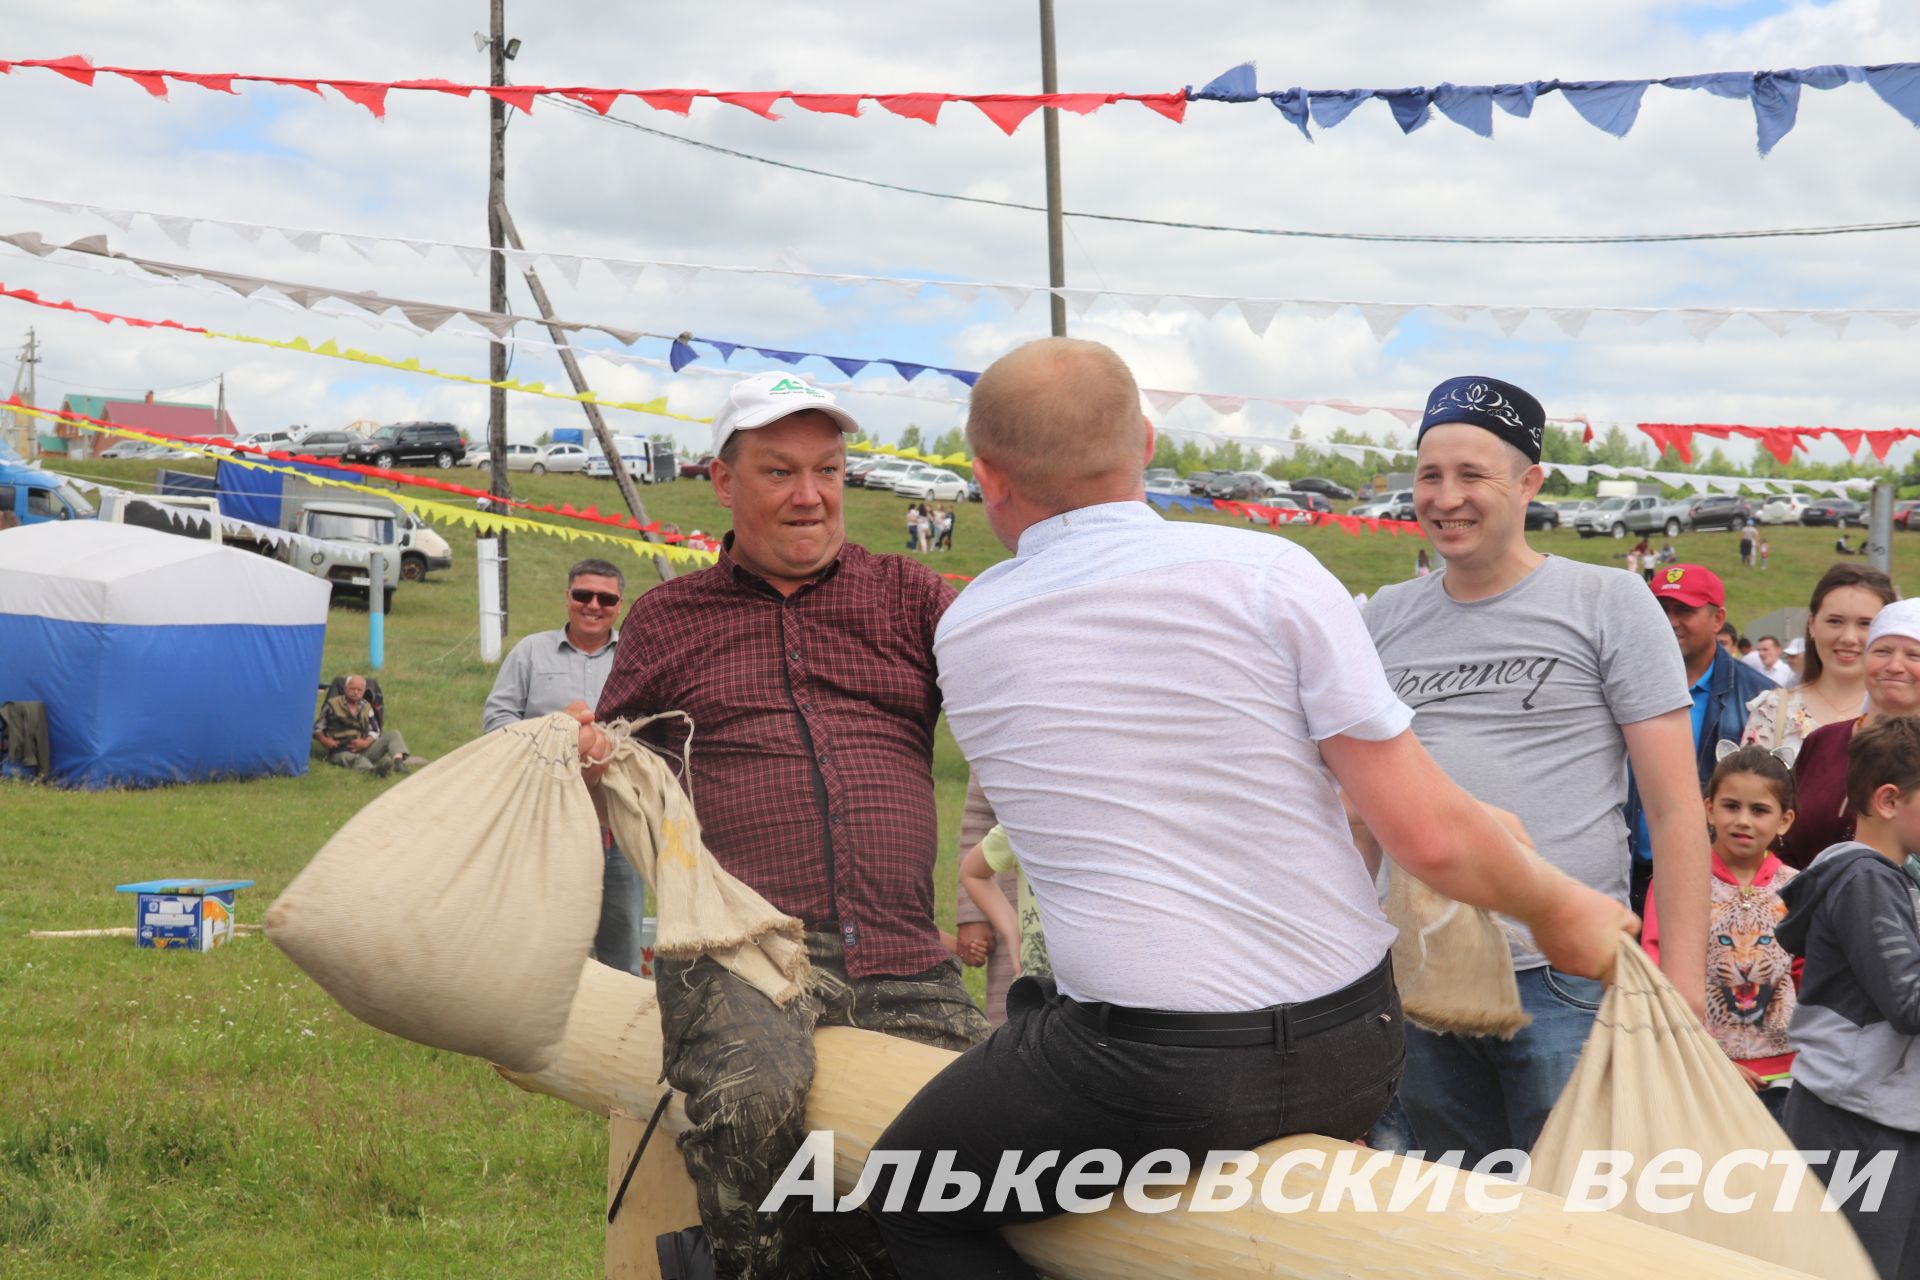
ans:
x=548 y=672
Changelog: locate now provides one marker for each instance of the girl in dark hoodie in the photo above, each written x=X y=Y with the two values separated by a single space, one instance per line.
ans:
x=1855 y=915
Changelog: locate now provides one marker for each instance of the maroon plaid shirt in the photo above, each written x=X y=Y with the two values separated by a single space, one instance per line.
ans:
x=813 y=718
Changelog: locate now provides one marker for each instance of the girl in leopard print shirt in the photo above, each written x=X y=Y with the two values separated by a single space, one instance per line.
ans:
x=1751 y=979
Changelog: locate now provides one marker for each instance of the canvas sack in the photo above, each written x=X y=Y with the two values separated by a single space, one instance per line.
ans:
x=457 y=909
x=1451 y=962
x=1652 y=1080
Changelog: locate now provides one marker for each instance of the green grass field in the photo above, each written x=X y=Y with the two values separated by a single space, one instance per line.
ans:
x=217 y=1115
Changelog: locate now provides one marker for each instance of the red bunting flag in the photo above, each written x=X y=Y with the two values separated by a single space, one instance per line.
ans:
x=1007 y=110
x=1781 y=442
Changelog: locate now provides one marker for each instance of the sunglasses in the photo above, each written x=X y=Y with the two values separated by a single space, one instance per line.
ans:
x=607 y=599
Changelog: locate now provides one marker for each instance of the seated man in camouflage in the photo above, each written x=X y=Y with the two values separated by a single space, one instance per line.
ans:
x=353 y=739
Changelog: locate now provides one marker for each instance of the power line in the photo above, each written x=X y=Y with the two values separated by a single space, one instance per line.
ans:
x=1377 y=237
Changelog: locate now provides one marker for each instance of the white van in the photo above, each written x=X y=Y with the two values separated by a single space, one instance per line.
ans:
x=636 y=454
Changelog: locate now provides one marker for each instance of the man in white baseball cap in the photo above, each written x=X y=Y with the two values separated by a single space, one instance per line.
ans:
x=807 y=664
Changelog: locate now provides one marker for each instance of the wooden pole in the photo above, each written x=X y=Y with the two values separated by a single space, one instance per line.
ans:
x=595 y=420
x=609 y=1061
x=497 y=282
x=1050 y=131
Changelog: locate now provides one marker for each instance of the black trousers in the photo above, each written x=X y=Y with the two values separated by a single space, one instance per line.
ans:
x=1045 y=1082
x=1891 y=1233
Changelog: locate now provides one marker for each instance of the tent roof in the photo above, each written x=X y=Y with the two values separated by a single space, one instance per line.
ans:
x=99 y=571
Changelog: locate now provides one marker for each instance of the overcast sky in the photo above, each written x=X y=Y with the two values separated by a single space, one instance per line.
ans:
x=582 y=185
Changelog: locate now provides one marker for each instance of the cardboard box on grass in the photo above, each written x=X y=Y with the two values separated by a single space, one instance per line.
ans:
x=183 y=912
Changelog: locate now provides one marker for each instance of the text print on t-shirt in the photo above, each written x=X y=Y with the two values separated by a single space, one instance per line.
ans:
x=1524 y=676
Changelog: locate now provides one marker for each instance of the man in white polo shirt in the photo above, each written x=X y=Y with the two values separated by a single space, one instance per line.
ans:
x=1136 y=696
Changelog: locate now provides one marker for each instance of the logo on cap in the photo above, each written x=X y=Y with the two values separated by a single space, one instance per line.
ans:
x=1675 y=575
x=790 y=386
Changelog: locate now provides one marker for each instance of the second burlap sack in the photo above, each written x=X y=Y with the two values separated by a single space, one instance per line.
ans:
x=1451 y=962
x=1652 y=1081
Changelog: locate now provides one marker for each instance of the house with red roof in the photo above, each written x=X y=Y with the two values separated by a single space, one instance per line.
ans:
x=157 y=417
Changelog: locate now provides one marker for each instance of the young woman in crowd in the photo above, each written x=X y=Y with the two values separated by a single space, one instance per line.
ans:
x=1834 y=679
x=1892 y=666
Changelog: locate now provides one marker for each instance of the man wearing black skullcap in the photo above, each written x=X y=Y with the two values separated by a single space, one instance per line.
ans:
x=1534 y=681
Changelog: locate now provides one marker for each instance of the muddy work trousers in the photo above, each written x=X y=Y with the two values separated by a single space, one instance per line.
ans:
x=744 y=1066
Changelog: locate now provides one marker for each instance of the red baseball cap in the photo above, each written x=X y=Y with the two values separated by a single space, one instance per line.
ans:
x=1691 y=584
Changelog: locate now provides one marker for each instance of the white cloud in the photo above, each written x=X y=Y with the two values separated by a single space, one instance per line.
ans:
x=578 y=185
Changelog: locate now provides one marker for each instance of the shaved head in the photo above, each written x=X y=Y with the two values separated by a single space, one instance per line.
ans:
x=1060 y=419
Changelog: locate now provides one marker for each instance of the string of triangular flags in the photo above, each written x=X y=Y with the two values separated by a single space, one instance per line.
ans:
x=1258 y=312
x=1609 y=105
x=1781 y=442
x=1007 y=110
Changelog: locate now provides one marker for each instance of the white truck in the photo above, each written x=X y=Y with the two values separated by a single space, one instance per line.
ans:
x=1643 y=513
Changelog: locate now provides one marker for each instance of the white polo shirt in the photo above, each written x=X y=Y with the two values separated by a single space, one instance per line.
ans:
x=1140 y=701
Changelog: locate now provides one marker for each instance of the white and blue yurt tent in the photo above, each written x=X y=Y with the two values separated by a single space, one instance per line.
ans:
x=160 y=658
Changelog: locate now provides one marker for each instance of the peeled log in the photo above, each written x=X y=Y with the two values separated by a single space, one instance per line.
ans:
x=610 y=1062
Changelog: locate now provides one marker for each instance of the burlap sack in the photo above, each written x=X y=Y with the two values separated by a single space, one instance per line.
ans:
x=703 y=909
x=457 y=909
x=1651 y=1080
x=1451 y=962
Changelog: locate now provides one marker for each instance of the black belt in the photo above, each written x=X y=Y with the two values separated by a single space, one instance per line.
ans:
x=1279 y=1025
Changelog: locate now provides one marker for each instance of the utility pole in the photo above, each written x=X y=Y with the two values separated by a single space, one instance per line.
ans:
x=220 y=407
x=1050 y=121
x=23 y=381
x=497 y=276
x=608 y=448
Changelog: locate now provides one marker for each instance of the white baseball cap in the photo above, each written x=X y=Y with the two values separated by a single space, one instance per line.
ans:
x=769 y=397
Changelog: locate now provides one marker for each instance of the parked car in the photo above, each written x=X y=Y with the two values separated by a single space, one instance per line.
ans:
x=1542 y=515
x=1241 y=486
x=31 y=495
x=883 y=474
x=1306 y=498
x=1785 y=509
x=1163 y=476
x=322 y=444
x=1617 y=517
x=859 y=464
x=402 y=442
x=1901 y=513
x=1391 y=506
x=932 y=486
x=1719 y=511
x=1840 y=512
x=1322 y=485
x=267 y=439
x=701 y=468
x=1161 y=484
x=566 y=459
x=519 y=456
x=121 y=450
x=1197 y=481
x=644 y=460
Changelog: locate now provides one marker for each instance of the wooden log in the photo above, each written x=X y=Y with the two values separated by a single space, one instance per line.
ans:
x=610 y=1061
x=659 y=1198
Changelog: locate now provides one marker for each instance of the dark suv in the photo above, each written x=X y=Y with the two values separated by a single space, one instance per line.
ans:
x=435 y=442
x=1720 y=511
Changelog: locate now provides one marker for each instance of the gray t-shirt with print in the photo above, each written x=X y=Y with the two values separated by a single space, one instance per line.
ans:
x=1520 y=698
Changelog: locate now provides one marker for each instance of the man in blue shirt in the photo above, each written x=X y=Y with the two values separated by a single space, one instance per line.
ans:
x=1695 y=602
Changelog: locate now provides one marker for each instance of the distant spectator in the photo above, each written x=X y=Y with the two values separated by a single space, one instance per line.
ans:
x=1749 y=534
x=1744 y=646
x=1795 y=656
x=1760 y=551
x=353 y=739
x=1730 y=639
x=1840 y=547
x=1766 y=659
x=1422 y=564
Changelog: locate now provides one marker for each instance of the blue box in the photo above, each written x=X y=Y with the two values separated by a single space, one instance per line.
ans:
x=183 y=914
